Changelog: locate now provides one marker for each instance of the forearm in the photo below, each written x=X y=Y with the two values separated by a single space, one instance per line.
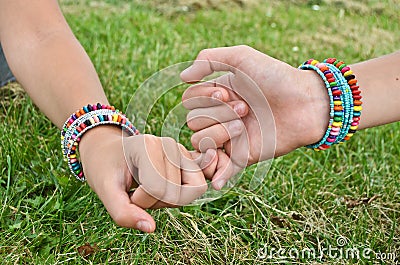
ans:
x=46 y=58
x=379 y=81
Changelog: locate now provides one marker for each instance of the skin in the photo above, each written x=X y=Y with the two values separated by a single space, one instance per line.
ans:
x=298 y=103
x=54 y=69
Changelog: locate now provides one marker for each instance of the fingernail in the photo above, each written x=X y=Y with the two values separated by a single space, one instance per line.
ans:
x=217 y=95
x=239 y=108
x=235 y=127
x=143 y=226
x=219 y=184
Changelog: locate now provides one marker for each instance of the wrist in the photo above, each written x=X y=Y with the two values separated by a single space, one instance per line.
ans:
x=98 y=135
x=317 y=110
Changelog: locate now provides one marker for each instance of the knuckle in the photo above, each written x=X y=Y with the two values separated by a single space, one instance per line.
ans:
x=203 y=54
x=222 y=135
x=245 y=51
x=199 y=190
x=173 y=199
x=202 y=188
x=151 y=139
x=243 y=46
x=168 y=140
x=156 y=192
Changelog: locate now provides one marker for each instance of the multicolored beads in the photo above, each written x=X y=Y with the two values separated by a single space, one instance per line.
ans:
x=83 y=120
x=329 y=81
x=355 y=93
x=345 y=100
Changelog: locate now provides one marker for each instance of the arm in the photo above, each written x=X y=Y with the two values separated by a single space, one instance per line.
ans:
x=297 y=102
x=51 y=65
x=47 y=59
x=56 y=72
x=379 y=81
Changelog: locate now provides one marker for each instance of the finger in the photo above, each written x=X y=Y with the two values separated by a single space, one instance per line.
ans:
x=204 y=95
x=201 y=118
x=211 y=93
x=123 y=212
x=151 y=166
x=225 y=170
x=193 y=181
x=172 y=163
x=217 y=59
x=142 y=199
x=207 y=161
x=134 y=157
x=147 y=204
x=215 y=136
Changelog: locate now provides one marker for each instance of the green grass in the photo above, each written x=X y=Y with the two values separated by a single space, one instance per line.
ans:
x=306 y=198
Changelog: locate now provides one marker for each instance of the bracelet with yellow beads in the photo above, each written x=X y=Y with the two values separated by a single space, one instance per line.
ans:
x=83 y=120
x=345 y=100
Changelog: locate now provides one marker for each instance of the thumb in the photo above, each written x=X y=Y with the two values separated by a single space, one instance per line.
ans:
x=214 y=60
x=123 y=211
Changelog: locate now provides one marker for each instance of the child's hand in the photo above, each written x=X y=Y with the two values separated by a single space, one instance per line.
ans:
x=289 y=108
x=167 y=174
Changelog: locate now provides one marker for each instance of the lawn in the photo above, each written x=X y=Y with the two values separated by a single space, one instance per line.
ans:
x=345 y=200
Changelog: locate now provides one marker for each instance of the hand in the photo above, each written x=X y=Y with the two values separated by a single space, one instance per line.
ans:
x=165 y=171
x=289 y=108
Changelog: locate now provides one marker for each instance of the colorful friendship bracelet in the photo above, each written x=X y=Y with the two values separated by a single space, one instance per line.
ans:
x=82 y=111
x=83 y=120
x=320 y=69
x=356 y=94
x=347 y=102
x=344 y=96
x=76 y=124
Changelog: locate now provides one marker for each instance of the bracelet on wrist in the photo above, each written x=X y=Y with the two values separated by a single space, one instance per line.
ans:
x=345 y=100
x=81 y=121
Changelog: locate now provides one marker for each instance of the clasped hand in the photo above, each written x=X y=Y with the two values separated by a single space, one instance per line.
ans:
x=261 y=108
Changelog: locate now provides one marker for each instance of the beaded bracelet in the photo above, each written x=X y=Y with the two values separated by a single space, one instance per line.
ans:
x=347 y=102
x=344 y=97
x=83 y=120
x=319 y=68
x=356 y=93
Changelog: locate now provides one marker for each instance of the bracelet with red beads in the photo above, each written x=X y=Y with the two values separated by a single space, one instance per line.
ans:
x=336 y=108
x=344 y=92
x=356 y=93
x=83 y=120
